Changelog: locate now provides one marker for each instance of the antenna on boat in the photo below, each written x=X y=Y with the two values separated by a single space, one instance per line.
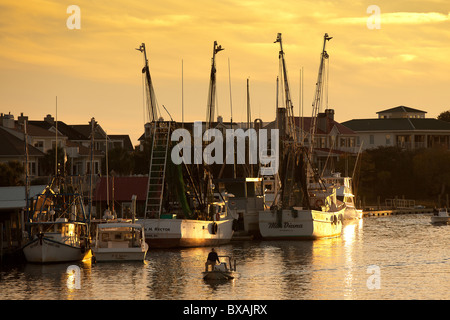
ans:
x=182 y=95
x=151 y=98
x=212 y=87
x=231 y=118
x=56 y=137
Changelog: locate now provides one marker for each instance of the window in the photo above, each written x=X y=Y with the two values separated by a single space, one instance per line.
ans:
x=351 y=142
x=96 y=167
x=388 y=139
x=32 y=168
x=39 y=145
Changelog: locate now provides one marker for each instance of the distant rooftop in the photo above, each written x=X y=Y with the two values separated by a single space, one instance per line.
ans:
x=401 y=112
x=396 y=124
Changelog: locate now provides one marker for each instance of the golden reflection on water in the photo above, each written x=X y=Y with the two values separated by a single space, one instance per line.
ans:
x=408 y=251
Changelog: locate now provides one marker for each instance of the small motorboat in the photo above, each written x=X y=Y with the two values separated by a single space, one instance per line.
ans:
x=119 y=241
x=441 y=217
x=222 y=271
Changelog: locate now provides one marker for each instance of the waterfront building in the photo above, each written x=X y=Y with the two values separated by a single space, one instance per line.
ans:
x=402 y=127
x=331 y=139
x=44 y=135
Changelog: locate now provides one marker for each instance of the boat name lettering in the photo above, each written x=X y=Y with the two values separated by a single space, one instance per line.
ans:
x=157 y=229
x=248 y=310
x=275 y=225
x=232 y=309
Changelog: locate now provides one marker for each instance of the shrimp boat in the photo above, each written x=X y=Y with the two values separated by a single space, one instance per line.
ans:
x=344 y=195
x=119 y=241
x=182 y=208
x=57 y=228
x=304 y=207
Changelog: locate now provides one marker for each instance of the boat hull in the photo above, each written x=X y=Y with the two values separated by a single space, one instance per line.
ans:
x=218 y=275
x=48 y=251
x=112 y=254
x=299 y=224
x=172 y=233
x=352 y=213
x=440 y=220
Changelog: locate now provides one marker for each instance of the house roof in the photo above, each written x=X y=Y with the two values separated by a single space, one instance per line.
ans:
x=127 y=145
x=397 y=124
x=124 y=188
x=14 y=197
x=306 y=122
x=85 y=131
x=401 y=109
x=63 y=128
x=13 y=146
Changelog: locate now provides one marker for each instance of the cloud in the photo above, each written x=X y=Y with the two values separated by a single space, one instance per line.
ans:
x=398 y=18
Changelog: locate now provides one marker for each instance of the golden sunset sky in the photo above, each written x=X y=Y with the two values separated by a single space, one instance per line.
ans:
x=96 y=72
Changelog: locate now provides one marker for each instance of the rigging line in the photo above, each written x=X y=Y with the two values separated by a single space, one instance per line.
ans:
x=328 y=157
x=327 y=81
x=143 y=99
x=231 y=100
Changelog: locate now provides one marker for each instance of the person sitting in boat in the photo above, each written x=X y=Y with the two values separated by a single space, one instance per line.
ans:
x=211 y=260
x=435 y=211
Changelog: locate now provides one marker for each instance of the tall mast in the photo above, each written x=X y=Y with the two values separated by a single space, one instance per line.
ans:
x=151 y=98
x=212 y=87
x=56 y=137
x=287 y=95
x=319 y=91
x=249 y=114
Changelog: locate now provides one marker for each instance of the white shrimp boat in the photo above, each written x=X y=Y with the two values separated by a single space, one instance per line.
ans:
x=57 y=241
x=299 y=224
x=57 y=230
x=119 y=241
x=178 y=211
x=304 y=207
x=344 y=194
x=170 y=232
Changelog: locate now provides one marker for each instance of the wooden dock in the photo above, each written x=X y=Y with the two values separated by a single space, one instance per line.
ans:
x=389 y=212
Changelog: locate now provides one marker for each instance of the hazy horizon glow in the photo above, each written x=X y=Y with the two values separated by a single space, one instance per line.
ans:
x=96 y=71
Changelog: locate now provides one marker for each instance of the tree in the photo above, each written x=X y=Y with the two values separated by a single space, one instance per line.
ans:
x=444 y=116
x=11 y=174
x=120 y=161
x=48 y=163
x=432 y=171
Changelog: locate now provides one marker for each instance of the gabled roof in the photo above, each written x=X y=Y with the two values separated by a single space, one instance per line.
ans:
x=397 y=124
x=127 y=145
x=306 y=123
x=13 y=146
x=85 y=131
x=63 y=128
x=401 y=109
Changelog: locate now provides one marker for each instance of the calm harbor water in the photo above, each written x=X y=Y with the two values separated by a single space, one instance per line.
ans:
x=387 y=257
